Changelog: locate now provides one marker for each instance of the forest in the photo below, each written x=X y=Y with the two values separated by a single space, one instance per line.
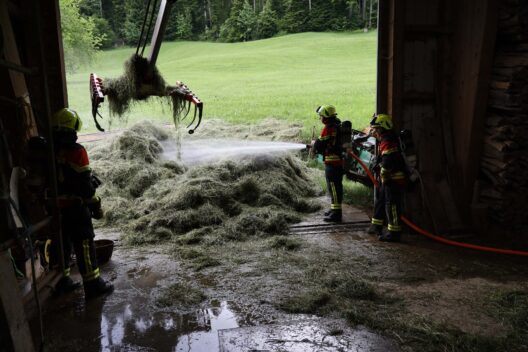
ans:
x=118 y=22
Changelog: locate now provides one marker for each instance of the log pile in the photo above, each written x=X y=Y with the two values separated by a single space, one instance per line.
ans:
x=504 y=161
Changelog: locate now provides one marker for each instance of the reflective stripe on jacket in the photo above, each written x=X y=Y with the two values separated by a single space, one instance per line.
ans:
x=392 y=163
x=326 y=144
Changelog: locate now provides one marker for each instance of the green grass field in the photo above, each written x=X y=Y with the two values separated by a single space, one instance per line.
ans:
x=285 y=77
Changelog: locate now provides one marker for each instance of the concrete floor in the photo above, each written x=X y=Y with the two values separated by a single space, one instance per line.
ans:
x=127 y=320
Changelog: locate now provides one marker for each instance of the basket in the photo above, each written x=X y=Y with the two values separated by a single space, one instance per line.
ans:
x=103 y=250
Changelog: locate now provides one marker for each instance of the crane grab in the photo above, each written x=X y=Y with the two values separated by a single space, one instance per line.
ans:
x=142 y=79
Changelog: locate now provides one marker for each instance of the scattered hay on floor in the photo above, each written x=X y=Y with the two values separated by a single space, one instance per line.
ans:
x=269 y=129
x=285 y=242
x=179 y=295
x=306 y=302
x=153 y=200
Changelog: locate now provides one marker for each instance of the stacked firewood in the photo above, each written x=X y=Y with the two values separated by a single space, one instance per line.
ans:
x=504 y=162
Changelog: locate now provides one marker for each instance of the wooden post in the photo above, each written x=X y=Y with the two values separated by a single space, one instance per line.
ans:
x=14 y=329
x=475 y=42
x=18 y=81
x=383 y=56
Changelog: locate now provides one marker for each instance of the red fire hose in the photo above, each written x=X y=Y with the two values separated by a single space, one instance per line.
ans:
x=435 y=237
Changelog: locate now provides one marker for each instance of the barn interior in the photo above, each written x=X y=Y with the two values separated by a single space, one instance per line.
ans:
x=453 y=73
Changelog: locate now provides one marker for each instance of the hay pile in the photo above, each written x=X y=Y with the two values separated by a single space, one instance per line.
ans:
x=154 y=200
x=270 y=129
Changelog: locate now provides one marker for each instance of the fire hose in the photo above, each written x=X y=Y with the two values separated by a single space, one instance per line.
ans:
x=436 y=237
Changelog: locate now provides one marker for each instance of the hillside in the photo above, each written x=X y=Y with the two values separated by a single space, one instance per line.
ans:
x=285 y=77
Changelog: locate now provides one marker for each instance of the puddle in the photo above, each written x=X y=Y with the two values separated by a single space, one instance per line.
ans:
x=130 y=320
x=129 y=326
x=303 y=336
x=199 y=151
x=165 y=331
x=217 y=319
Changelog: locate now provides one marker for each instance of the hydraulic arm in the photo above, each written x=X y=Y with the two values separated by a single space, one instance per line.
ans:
x=178 y=92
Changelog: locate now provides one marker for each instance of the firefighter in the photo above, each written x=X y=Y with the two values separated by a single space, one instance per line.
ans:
x=328 y=146
x=391 y=170
x=78 y=204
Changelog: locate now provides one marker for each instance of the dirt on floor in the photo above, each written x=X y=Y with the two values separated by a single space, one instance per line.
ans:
x=412 y=296
x=314 y=287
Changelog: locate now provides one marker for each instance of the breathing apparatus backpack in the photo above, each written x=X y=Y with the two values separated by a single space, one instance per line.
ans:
x=344 y=134
x=408 y=154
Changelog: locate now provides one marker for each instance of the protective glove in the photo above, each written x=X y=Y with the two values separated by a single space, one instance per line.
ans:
x=311 y=150
x=94 y=204
x=96 y=182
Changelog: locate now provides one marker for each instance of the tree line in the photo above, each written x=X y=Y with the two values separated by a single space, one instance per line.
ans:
x=118 y=22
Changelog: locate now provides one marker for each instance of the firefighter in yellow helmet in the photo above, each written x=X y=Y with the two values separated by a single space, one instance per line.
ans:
x=78 y=204
x=392 y=172
x=332 y=152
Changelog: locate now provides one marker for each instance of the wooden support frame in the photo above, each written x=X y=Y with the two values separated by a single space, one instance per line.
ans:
x=475 y=46
x=14 y=330
x=18 y=80
x=459 y=39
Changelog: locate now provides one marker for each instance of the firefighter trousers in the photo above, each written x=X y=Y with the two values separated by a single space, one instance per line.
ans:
x=78 y=232
x=387 y=206
x=334 y=183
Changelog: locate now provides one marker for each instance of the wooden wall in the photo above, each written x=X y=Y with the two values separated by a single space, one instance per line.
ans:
x=435 y=59
x=503 y=178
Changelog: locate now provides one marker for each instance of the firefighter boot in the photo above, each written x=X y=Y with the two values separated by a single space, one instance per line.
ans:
x=97 y=287
x=390 y=236
x=334 y=216
x=375 y=229
x=66 y=284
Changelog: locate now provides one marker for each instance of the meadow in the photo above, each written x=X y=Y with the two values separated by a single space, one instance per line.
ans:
x=285 y=77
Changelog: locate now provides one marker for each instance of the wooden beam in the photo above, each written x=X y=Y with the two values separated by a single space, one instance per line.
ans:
x=473 y=45
x=15 y=333
x=18 y=81
x=383 y=58
x=397 y=66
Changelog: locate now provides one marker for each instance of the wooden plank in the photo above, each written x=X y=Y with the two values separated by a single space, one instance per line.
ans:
x=475 y=47
x=398 y=39
x=511 y=61
x=441 y=206
x=18 y=81
x=12 y=313
x=383 y=56
x=500 y=84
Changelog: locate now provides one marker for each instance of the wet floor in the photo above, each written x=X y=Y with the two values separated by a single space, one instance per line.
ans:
x=130 y=320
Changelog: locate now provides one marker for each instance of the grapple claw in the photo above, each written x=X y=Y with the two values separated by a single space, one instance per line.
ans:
x=97 y=97
x=182 y=91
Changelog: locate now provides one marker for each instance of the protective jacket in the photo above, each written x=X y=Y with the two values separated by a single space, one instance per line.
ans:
x=393 y=178
x=75 y=188
x=74 y=172
x=327 y=144
x=391 y=161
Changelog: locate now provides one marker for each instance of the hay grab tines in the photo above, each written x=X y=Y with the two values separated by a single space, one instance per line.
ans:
x=180 y=95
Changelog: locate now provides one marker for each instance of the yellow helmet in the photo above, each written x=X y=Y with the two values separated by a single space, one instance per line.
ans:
x=326 y=111
x=66 y=119
x=382 y=120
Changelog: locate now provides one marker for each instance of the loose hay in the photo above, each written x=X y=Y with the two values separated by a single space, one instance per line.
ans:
x=268 y=129
x=140 y=82
x=179 y=295
x=154 y=200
